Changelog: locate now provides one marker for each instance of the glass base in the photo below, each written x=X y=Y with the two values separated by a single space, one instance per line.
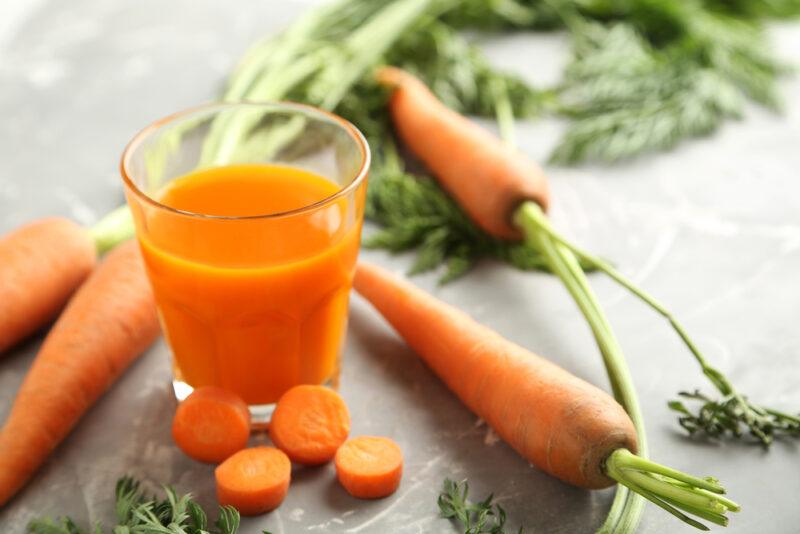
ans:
x=260 y=414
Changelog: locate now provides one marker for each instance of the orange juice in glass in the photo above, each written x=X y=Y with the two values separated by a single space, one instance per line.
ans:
x=249 y=220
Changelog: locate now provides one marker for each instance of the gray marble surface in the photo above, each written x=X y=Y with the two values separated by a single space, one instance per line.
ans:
x=712 y=228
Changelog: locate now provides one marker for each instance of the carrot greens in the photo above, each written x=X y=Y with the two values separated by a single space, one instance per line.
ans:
x=484 y=517
x=733 y=414
x=114 y=228
x=138 y=513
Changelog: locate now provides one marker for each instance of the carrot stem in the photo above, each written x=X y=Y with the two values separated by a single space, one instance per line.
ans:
x=668 y=488
x=670 y=491
x=627 y=508
x=504 y=111
x=114 y=228
x=267 y=56
x=716 y=377
x=366 y=45
x=334 y=72
x=229 y=130
x=729 y=504
x=642 y=464
x=762 y=422
x=666 y=507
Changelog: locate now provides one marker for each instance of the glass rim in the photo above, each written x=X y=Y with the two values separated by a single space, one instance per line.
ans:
x=148 y=130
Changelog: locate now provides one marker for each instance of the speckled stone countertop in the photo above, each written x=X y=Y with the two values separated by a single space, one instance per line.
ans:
x=712 y=228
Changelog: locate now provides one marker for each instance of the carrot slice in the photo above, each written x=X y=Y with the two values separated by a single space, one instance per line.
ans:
x=309 y=424
x=254 y=481
x=211 y=424
x=369 y=467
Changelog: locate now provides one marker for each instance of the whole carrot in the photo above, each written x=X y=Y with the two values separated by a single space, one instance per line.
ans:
x=558 y=422
x=489 y=179
x=555 y=420
x=108 y=323
x=41 y=265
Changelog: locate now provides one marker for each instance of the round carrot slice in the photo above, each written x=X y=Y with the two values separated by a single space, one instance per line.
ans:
x=211 y=424
x=369 y=467
x=309 y=424
x=254 y=481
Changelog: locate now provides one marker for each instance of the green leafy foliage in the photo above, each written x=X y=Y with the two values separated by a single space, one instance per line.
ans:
x=498 y=15
x=459 y=74
x=757 y=8
x=626 y=98
x=138 y=514
x=64 y=526
x=735 y=416
x=484 y=517
x=659 y=73
x=704 y=59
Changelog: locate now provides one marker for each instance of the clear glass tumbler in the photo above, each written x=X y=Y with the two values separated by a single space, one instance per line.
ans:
x=252 y=282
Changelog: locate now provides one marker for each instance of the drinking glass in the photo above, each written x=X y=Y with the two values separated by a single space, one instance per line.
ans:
x=252 y=303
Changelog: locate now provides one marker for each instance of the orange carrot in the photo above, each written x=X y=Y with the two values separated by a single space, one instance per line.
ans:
x=108 y=323
x=211 y=424
x=369 y=467
x=41 y=265
x=487 y=178
x=309 y=424
x=254 y=481
x=563 y=425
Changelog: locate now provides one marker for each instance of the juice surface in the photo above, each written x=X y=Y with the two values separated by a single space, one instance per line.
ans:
x=255 y=305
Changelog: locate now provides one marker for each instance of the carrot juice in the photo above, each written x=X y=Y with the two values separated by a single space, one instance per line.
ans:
x=251 y=266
